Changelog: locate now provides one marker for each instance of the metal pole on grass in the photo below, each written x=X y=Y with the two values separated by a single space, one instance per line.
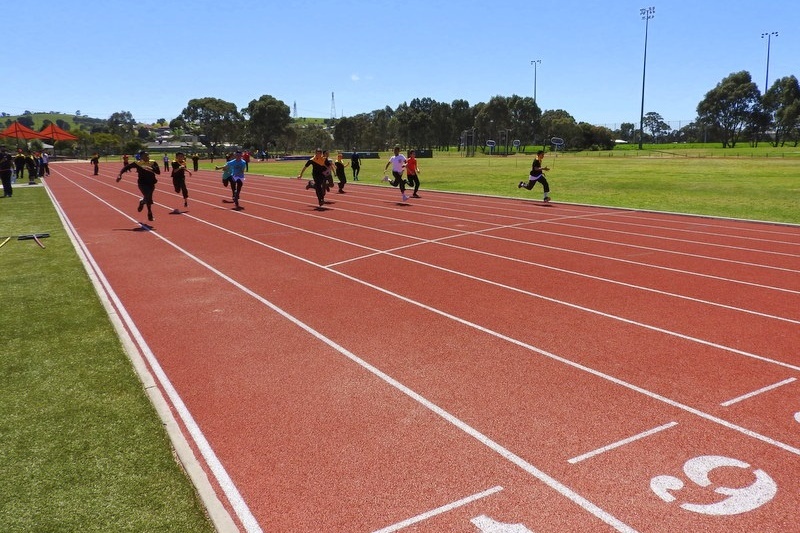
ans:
x=534 y=63
x=768 y=35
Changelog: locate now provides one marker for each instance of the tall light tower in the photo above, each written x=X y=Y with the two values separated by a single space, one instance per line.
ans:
x=768 y=35
x=647 y=13
x=535 y=62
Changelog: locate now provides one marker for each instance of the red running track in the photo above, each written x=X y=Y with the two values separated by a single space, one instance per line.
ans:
x=456 y=362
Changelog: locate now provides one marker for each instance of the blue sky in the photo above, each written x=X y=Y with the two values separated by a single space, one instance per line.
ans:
x=151 y=57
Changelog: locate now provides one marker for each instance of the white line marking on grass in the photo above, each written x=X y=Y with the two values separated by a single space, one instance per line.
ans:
x=757 y=392
x=621 y=443
x=439 y=510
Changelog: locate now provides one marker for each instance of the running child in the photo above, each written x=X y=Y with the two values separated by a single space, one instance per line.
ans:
x=179 y=172
x=537 y=175
x=146 y=171
x=412 y=169
x=236 y=166
x=398 y=163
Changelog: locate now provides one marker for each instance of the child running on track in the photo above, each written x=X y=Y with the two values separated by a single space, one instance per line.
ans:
x=146 y=171
x=411 y=173
x=398 y=163
x=179 y=172
x=236 y=166
x=537 y=175
x=318 y=165
x=340 y=166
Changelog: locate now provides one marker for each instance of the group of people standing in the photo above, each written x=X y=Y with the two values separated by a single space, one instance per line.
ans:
x=13 y=168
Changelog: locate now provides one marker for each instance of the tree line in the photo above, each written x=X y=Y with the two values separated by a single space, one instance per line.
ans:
x=733 y=111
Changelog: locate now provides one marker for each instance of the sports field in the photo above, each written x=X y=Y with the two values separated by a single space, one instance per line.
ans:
x=453 y=363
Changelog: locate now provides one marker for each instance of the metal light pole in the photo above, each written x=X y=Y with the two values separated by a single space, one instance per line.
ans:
x=534 y=63
x=647 y=13
x=768 y=35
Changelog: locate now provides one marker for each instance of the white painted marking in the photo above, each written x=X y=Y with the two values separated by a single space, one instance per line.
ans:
x=488 y=525
x=738 y=501
x=439 y=510
x=622 y=442
x=757 y=392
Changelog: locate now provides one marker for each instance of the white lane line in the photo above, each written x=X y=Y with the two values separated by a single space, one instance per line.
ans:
x=439 y=510
x=757 y=392
x=622 y=442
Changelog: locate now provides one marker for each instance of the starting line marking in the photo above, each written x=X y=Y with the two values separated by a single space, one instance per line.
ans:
x=757 y=392
x=439 y=510
x=620 y=443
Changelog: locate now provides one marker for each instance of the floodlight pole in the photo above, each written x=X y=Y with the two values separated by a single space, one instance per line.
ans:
x=768 y=35
x=534 y=63
x=647 y=13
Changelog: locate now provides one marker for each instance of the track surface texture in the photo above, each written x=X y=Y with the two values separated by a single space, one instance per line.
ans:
x=459 y=363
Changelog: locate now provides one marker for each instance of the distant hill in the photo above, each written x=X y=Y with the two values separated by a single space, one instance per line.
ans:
x=76 y=122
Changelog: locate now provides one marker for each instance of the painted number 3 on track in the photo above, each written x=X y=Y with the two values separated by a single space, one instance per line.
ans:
x=736 y=501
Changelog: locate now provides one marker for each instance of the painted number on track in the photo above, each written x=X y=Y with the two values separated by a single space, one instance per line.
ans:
x=736 y=501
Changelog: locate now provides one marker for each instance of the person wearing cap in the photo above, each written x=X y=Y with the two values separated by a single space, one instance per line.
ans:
x=236 y=167
x=146 y=171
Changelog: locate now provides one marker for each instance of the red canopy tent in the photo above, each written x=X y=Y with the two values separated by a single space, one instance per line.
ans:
x=57 y=134
x=19 y=131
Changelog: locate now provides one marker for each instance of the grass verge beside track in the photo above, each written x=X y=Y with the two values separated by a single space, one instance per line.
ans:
x=81 y=446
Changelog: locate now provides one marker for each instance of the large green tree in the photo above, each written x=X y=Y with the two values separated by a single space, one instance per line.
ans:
x=729 y=106
x=782 y=102
x=267 y=121
x=214 y=121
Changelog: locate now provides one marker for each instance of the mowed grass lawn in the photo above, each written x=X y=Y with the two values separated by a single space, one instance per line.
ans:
x=738 y=184
x=81 y=446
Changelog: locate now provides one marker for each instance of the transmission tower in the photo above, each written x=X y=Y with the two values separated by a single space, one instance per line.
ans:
x=333 y=106
x=295 y=108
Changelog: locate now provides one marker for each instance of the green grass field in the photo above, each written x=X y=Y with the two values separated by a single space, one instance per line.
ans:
x=81 y=446
x=758 y=184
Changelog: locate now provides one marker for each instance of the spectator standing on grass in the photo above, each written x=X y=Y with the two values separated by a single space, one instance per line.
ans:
x=537 y=174
x=6 y=168
x=398 y=163
x=195 y=161
x=30 y=164
x=236 y=166
x=95 y=162
x=355 y=164
x=340 y=174
x=412 y=169
x=45 y=170
x=19 y=164
x=146 y=171
x=166 y=162
x=318 y=180
x=179 y=171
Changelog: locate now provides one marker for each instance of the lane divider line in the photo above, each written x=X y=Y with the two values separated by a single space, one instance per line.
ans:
x=619 y=443
x=757 y=392
x=439 y=510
